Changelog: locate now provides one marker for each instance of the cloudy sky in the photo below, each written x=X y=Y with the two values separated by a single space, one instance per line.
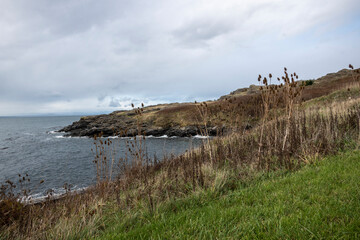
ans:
x=91 y=56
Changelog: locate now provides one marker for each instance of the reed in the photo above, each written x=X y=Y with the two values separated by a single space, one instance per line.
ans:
x=284 y=134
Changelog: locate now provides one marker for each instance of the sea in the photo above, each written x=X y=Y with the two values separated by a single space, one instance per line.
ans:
x=31 y=147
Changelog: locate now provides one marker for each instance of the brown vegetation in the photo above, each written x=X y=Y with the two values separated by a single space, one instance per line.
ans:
x=288 y=135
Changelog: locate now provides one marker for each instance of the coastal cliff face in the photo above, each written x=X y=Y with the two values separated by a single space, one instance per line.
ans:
x=186 y=119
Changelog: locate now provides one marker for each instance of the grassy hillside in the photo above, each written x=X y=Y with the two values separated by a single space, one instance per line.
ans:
x=240 y=102
x=321 y=201
x=265 y=181
x=240 y=108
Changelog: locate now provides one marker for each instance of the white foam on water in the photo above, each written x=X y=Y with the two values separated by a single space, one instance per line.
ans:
x=113 y=137
x=201 y=137
x=126 y=137
x=61 y=136
x=142 y=136
x=57 y=193
x=163 y=136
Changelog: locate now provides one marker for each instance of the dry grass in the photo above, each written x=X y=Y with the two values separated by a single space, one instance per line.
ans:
x=290 y=135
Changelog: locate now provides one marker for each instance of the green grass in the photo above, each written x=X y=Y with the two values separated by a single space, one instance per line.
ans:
x=321 y=201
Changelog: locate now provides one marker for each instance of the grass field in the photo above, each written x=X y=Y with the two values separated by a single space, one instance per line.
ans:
x=320 y=201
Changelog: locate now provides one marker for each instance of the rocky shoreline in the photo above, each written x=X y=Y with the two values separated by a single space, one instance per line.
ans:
x=182 y=119
x=106 y=125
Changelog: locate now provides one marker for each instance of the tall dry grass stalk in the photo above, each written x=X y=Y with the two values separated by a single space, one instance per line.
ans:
x=285 y=137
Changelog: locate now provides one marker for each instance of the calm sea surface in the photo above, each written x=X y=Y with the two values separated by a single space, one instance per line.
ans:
x=30 y=145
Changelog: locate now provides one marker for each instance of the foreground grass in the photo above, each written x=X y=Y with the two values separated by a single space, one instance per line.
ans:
x=321 y=201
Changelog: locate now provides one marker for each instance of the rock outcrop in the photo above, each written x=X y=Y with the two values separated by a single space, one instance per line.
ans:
x=184 y=119
x=93 y=126
x=126 y=124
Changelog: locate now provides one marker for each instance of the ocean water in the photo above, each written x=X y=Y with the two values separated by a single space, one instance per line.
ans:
x=30 y=145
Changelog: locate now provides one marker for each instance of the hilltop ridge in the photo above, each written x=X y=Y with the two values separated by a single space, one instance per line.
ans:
x=182 y=119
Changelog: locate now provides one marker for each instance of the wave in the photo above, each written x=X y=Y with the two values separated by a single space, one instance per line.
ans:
x=113 y=137
x=138 y=136
x=57 y=194
x=148 y=137
x=62 y=136
x=163 y=136
x=201 y=137
x=166 y=136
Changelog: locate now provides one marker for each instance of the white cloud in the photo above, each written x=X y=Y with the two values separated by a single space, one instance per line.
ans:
x=70 y=56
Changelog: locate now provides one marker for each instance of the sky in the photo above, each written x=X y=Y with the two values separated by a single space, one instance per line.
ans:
x=65 y=57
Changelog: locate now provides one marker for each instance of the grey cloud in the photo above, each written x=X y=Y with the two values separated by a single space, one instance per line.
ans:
x=101 y=55
x=101 y=98
x=123 y=102
x=198 y=32
x=114 y=103
x=69 y=16
x=50 y=95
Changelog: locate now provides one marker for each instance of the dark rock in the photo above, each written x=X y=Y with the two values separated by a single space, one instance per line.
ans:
x=191 y=130
x=182 y=131
x=155 y=132
x=110 y=125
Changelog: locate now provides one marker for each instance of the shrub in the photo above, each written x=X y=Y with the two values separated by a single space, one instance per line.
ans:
x=309 y=82
x=10 y=211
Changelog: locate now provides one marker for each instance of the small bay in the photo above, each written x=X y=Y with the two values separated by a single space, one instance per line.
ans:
x=31 y=145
